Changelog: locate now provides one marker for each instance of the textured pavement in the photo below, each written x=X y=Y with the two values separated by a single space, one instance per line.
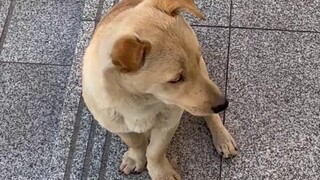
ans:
x=265 y=54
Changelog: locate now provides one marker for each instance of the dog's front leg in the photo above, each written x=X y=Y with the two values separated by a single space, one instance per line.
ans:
x=222 y=140
x=134 y=160
x=158 y=164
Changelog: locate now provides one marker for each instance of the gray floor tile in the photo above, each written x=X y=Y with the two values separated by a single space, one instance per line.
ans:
x=43 y=31
x=195 y=163
x=70 y=105
x=81 y=145
x=97 y=151
x=216 y=12
x=274 y=105
x=193 y=149
x=281 y=14
x=107 y=5
x=214 y=49
x=4 y=8
x=31 y=99
x=90 y=9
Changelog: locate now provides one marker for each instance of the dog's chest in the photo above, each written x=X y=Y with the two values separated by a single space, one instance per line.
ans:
x=141 y=119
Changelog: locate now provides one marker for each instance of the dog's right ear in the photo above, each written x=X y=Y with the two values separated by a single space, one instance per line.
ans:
x=128 y=53
x=174 y=7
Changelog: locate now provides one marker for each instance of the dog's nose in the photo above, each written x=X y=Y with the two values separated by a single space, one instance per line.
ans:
x=220 y=107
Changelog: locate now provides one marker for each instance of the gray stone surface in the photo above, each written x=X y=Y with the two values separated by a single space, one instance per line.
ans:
x=195 y=162
x=107 y=5
x=90 y=10
x=81 y=145
x=4 y=7
x=279 y=14
x=71 y=102
x=214 y=49
x=274 y=105
x=31 y=99
x=43 y=31
x=216 y=12
x=273 y=90
x=97 y=151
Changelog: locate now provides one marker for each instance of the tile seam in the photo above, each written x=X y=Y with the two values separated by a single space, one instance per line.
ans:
x=6 y=24
x=274 y=29
x=226 y=76
x=74 y=139
x=90 y=142
x=105 y=155
x=38 y=64
x=88 y=156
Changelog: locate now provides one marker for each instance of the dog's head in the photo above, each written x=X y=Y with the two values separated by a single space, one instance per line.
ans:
x=161 y=56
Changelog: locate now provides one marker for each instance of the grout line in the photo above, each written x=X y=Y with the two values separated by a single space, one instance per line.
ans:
x=217 y=26
x=88 y=157
x=99 y=11
x=254 y=28
x=227 y=77
x=270 y=29
x=105 y=150
x=30 y=63
x=90 y=20
x=105 y=155
x=6 y=24
x=228 y=58
x=74 y=138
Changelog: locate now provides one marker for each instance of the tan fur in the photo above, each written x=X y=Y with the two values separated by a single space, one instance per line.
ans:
x=138 y=49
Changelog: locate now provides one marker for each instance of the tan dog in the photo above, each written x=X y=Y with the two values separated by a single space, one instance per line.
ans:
x=142 y=68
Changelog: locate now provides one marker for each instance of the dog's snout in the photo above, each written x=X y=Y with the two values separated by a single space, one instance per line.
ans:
x=221 y=107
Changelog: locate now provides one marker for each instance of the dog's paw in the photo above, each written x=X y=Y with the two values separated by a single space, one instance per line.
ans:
x=132 y=162
x=224 y=143
x=163 y=171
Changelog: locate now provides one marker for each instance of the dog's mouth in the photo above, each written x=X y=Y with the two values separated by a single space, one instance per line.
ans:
x=196 y=111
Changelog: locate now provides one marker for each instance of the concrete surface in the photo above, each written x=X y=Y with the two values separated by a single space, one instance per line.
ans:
x=264 y=54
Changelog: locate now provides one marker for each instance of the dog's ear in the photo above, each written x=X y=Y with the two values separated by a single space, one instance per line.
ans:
x=174 y=7
x=128 y=53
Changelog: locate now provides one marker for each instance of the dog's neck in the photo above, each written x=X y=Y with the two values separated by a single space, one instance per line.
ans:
x=116 y=88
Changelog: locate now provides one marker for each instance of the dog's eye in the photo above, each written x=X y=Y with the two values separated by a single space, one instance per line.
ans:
x=177 y=79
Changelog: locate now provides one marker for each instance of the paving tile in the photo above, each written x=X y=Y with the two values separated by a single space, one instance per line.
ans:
x=90 y=9
x=274 y=95
x=31 y=99
x=216 y=12
x=97 y=151
x=214 y=49
x=70 y=105
x=4 y=8
x=195 y=163
x=279 y=14
x=81 y=145
x=107 y=5
x=43 y=31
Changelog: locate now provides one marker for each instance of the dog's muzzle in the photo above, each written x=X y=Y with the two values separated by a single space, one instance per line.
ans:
x=221 y=107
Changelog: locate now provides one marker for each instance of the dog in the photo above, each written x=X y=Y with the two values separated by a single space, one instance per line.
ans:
x=142 y=69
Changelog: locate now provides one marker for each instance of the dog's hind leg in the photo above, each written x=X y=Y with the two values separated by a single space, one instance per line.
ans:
x=222 y=140
x=134 y=160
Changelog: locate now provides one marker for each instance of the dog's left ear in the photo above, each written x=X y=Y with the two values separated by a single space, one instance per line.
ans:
x=128 y=53
x=174 y=7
